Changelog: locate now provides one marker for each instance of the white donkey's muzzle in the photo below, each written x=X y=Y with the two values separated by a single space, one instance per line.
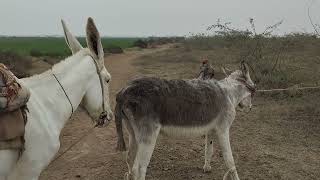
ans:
x=104 y=119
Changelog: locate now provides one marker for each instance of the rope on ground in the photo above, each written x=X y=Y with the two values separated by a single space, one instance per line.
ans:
x=289 y=89
x=73 y=144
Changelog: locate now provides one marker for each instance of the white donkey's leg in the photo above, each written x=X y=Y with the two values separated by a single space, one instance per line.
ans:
x=208 y=152
x=34 y=160
x=146 y=144
x=8 y=159
x=224 y=141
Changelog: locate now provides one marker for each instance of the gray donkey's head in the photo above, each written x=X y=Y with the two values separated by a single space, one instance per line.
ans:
x=242 y=80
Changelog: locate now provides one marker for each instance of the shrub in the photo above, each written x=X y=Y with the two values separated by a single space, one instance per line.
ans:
x=264 y=52
x=140 y=43
x=19 y=65
x=35 y=53
x=113 y=50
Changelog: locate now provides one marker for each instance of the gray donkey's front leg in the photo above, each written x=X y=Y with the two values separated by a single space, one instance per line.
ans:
x=224 y=141
x=208 y=152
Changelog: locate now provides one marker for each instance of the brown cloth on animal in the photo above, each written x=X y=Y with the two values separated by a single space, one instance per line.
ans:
x=12 y=94
x=13 y=110
x=12 y=128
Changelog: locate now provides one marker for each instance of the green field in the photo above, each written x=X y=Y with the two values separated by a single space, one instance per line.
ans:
x=52 y=46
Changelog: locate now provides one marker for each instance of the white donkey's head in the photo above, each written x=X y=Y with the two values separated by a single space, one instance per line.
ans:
x=96 y=98
x=245 y=86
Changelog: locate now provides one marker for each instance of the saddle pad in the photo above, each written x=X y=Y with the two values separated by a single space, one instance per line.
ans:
x=16 y=143
x=12 y=93
x=11 y=125
x=16 y=101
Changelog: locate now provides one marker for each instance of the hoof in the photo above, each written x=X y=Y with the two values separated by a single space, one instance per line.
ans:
x=231 y=174
x=206 y=168
x=127 y=176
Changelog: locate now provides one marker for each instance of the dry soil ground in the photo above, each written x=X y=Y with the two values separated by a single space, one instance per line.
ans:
x=268 y=143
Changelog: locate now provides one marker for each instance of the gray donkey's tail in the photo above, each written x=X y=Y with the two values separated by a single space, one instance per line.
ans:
x=119 y=115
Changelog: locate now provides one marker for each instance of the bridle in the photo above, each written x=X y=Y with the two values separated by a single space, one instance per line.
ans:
x=104 y=114
x=65 y=93
x=251 y=88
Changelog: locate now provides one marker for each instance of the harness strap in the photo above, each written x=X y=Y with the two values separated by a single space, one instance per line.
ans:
x=249 y=87
x=104 y=112
x=101 y=82
x=65 y=93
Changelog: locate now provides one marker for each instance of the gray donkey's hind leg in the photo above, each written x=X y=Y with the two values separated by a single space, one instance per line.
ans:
x=146 y=142
x=208 y=151
x=132 y=150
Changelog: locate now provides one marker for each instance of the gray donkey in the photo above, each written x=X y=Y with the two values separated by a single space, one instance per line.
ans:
x=149 y=106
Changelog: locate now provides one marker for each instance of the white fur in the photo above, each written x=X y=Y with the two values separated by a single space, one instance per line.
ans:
x=188 y=131
x=50 y=110
x=143 y=156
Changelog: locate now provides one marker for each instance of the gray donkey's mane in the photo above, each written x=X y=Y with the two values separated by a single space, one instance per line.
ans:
x=174 y=102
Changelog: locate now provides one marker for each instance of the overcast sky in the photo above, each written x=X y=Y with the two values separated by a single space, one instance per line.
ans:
x=150 y=17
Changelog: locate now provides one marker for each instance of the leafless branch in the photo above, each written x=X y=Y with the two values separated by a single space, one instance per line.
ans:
x=310 y=19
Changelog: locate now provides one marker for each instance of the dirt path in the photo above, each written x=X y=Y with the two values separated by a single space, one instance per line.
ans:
x=95 y=157
x=264 y=147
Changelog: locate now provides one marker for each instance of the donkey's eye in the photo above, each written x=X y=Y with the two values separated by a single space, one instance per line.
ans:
x=108 y=80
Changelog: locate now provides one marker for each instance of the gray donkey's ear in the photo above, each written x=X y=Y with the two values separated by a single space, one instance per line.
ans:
x=244 y=68
x=71 y=41
x=224 y=71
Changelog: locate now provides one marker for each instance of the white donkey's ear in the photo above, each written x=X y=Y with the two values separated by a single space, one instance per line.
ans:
x=71 y=41
x=94 y=40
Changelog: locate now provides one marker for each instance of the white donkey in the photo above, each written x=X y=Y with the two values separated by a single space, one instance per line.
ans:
x=149 y=106
x=55 y=94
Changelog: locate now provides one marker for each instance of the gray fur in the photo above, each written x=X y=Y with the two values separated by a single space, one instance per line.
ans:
x=173 y=102
x=121 y=146
x=149 y=105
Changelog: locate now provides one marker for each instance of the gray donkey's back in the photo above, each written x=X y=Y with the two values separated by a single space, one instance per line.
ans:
x=181 y=103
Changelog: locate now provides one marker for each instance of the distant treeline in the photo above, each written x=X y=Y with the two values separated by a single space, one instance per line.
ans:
x=56 y=46
x=53 y=46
